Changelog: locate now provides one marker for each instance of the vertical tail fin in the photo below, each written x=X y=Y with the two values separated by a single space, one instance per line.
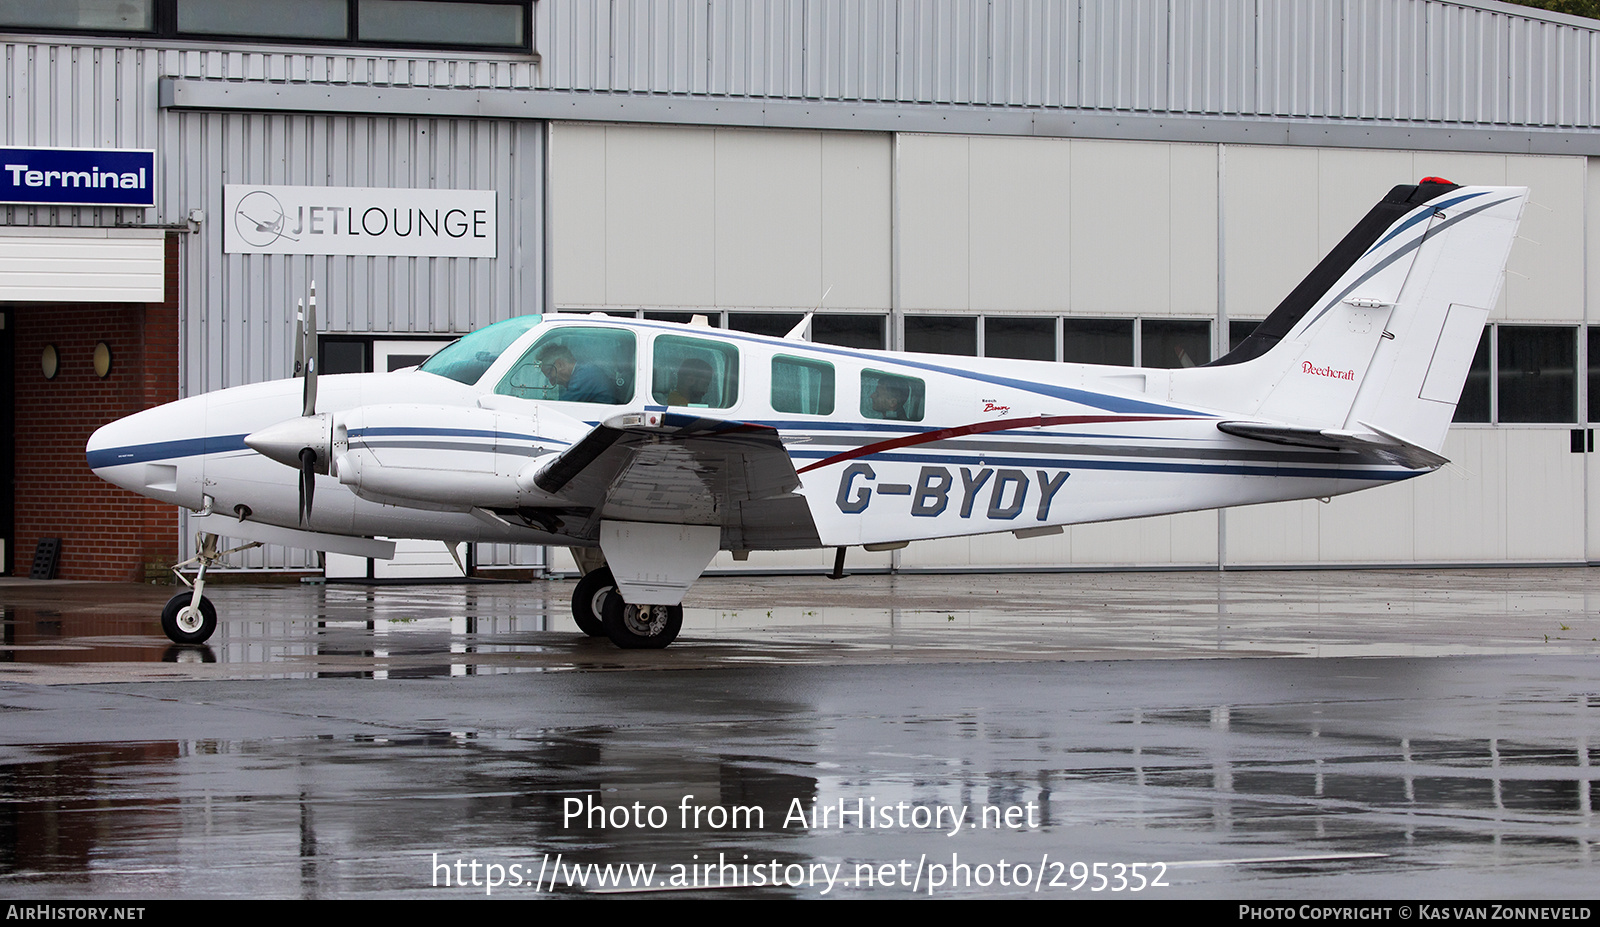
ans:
x=1378 y=339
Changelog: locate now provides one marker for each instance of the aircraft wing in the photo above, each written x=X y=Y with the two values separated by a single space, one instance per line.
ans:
x=672 y=468
x=1376 y=443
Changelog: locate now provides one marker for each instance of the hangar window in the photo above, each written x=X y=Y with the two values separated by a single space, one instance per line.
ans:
x=1019 y=337
x=492 y=25
x=942 y=334
x=1523 y=374
x=775 y=324
x=1476 y=403
x=1174 y=343
x=1537 y=373
x=79 y=15
x=694 y=372
x=849 y=331
x=891 y=397
x=802 y=386
x=1097 y=341
x=575 y=364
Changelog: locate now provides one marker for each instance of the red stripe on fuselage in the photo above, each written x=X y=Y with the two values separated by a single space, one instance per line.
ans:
x=1005 y=424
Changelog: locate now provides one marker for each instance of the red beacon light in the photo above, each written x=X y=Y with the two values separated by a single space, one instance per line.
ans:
x=1438 y=180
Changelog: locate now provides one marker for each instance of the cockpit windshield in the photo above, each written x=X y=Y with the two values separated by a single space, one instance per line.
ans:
x=465 y=359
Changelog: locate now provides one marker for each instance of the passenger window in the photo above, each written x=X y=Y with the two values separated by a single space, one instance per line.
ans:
x=575 y=365
x=892 y=397
x=694 y=372
x=803 y=386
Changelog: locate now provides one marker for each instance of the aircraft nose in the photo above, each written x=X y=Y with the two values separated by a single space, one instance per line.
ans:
x=144 y=451
x=114 y=446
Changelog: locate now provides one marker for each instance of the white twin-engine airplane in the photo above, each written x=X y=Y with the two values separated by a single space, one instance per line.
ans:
x=647 y=447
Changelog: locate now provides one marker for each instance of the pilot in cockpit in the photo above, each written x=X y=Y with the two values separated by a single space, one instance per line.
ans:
x=577 y=382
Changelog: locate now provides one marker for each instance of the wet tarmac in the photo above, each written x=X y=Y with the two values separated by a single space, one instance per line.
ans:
x=1263 y=735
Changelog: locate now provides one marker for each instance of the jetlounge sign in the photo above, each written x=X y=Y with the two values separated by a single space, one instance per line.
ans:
x=359 y=220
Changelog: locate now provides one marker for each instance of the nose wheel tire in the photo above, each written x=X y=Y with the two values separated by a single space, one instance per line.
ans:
x=641 y=627
x=185 y=624
x=588 y=601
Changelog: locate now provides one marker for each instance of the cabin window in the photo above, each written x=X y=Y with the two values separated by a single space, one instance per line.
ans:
x=695 y=373
x=891 y=397
x=802 y=386
x=575 y=365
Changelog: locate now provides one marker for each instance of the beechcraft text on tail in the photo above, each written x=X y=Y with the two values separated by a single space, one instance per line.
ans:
x=647 y=447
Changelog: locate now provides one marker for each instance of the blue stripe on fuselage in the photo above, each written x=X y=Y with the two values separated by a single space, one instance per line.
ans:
x=165 y=450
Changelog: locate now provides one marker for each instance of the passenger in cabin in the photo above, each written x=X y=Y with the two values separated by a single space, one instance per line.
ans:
x=577 y=382
x=889 y=398
x=694 y=381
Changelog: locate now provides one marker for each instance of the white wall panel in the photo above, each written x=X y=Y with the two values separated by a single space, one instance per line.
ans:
x=1021 y=209
x=1543 y=488
x=856 y=178
x=650 y=216
x=1371 y=526
x=660 y=216
x=1279 y=532
x=1460 y=512
x=1542 y=283
x=1121 y=245
x=81 y=264
x=578 y=213
x=1192 y=230
x=1272 y=241
x=768 y=196
x=933 y=176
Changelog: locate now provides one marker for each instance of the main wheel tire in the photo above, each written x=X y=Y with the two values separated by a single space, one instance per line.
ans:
x=183 y=624
x=588 y=601
x=641 y=627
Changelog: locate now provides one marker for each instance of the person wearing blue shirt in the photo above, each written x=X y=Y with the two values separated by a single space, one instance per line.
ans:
x=577 y=382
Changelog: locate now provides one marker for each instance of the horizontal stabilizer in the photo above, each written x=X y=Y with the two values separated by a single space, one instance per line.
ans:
x=1371 y=444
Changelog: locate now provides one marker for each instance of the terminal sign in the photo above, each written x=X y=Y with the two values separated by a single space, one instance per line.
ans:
x=78 y=176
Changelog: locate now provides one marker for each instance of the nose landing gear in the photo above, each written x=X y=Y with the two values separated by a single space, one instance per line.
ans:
x=189 y=617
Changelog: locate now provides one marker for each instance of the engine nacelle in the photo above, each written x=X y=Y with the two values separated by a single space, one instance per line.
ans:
x=442 y=457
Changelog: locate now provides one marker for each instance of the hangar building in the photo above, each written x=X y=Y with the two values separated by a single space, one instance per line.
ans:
x=1115 y=181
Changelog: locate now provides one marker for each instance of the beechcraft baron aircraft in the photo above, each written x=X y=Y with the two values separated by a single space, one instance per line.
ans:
x=647 y=447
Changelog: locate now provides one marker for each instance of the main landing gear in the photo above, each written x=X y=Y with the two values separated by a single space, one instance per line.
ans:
x=189 y=617
x=599 y=610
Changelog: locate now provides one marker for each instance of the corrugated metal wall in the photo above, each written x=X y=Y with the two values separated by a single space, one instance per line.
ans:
x=1400 y=60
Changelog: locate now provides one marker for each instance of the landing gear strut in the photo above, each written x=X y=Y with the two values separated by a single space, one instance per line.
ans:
x=189 y=617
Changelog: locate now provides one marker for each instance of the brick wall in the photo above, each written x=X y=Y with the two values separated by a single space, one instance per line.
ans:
x=106 y=533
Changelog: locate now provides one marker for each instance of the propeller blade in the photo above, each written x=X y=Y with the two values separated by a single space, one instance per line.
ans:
x=308 y=481
x=310 y=407
x=299 y=338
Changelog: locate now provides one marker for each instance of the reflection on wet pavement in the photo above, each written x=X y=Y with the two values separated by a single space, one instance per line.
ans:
x=87 y=632
x=347 y=742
